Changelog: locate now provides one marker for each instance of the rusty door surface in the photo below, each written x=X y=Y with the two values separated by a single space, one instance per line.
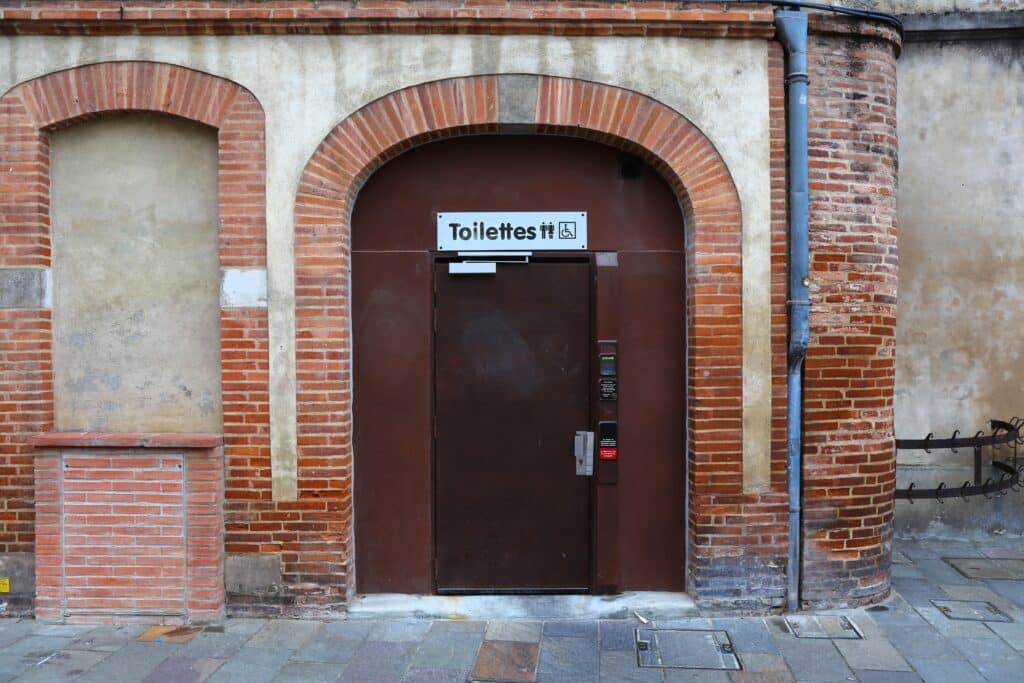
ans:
x=512 y=359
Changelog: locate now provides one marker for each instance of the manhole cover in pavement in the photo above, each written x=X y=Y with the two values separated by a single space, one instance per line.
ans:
x=823 y=626
x=685 y=649
x=970 y=610
x=984 y=568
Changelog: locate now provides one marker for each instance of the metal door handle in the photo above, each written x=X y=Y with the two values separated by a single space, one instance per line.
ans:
x=584 y=453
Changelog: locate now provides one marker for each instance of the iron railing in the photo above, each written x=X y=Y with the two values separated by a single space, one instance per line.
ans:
x=1008 y=470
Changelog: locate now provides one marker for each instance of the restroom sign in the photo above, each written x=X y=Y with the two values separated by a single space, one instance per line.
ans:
x=512 y=231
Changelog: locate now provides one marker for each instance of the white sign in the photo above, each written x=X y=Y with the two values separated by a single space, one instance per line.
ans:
x=512 y=231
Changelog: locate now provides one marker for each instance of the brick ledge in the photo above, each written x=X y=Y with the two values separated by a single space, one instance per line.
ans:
x=125 y=440
x=524 y=17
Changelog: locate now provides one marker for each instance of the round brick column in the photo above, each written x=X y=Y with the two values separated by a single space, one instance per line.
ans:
x=849 y=456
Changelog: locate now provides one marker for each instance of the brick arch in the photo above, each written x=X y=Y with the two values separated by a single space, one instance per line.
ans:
x=29 y=111
x=385 y=128
x=64 y=98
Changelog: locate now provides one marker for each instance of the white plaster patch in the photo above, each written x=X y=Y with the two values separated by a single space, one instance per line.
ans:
x=243 y=288
x=47 y=289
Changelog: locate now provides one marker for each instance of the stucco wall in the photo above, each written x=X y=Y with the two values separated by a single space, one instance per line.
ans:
x=934 y=6
x=961 y=300
x=136 y=322
x=307 y=84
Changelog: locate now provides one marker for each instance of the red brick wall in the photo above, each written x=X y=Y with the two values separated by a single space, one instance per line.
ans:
x=165 y=506
x=26 y=389
x=780 y=261
x=26 y=407
x=234 y=17
x=744 y=535
x=27 y=112
x=849 y=458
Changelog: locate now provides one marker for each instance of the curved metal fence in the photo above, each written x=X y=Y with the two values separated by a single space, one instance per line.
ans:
x=1006 y=472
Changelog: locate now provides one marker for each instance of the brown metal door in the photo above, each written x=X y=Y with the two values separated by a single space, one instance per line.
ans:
x=512 y=358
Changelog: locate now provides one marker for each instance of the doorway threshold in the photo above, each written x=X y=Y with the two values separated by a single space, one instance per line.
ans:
x=648 y=604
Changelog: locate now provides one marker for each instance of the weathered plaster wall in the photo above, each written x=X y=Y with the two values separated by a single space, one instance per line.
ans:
x=307 y=84
x=961 y=305
x=136 y=322
x=935 y=6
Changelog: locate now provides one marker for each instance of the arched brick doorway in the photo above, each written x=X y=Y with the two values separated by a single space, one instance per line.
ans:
x=631 y=122
x=468 y=390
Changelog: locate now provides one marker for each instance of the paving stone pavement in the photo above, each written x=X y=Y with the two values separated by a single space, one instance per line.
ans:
x=907 y=639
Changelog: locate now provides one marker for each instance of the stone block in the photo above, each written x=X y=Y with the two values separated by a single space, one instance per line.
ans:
x=517 y=99
x=20 y=568
x=24 y=288
x=252 y=573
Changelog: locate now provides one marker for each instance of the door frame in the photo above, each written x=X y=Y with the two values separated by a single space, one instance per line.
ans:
x=546 y=257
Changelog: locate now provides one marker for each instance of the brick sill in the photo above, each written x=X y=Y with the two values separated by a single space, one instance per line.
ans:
x=125 y=440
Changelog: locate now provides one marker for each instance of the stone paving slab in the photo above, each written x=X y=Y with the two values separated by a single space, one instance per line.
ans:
x=988 y=568
x=567 y=657
x=380 y=661
x=415 y=675
x=520 y=631
x=871 y=654
x=939 y=571
x=308 y=672
x=618 y=665
x=252 y=665
x=183 y=670
x=906 y=640
x=572 y=629
x=920 y=642
x=214 y=645
x=993 y=658
x=896 y=612
x=619 y=636
x=445 y=649
x=906 y=571
x=1007 y=551
x=748 y=635
x=887 y=676
x=328 y=648
x=946 y=671
x=762 y=668
x=1012 y=634
x=1011 y=590
x=133 y=662
x=812 y=659
x=64 y=665
x=953 y=629
x=290 y=634
x=108 y=638
x=695 y=676
x=399 y=631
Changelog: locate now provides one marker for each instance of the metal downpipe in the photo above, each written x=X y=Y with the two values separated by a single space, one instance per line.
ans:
x=791 y=26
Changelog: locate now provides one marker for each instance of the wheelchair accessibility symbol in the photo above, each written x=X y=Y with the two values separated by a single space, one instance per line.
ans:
x=567 y=230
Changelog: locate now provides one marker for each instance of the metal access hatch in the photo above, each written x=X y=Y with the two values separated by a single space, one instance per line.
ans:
x=971 y=610
x=685 y=649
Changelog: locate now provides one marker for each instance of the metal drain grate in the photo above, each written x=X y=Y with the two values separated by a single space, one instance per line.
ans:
x=971 y=610
x=823 y=626
x=685 y=649
x=983 y=568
